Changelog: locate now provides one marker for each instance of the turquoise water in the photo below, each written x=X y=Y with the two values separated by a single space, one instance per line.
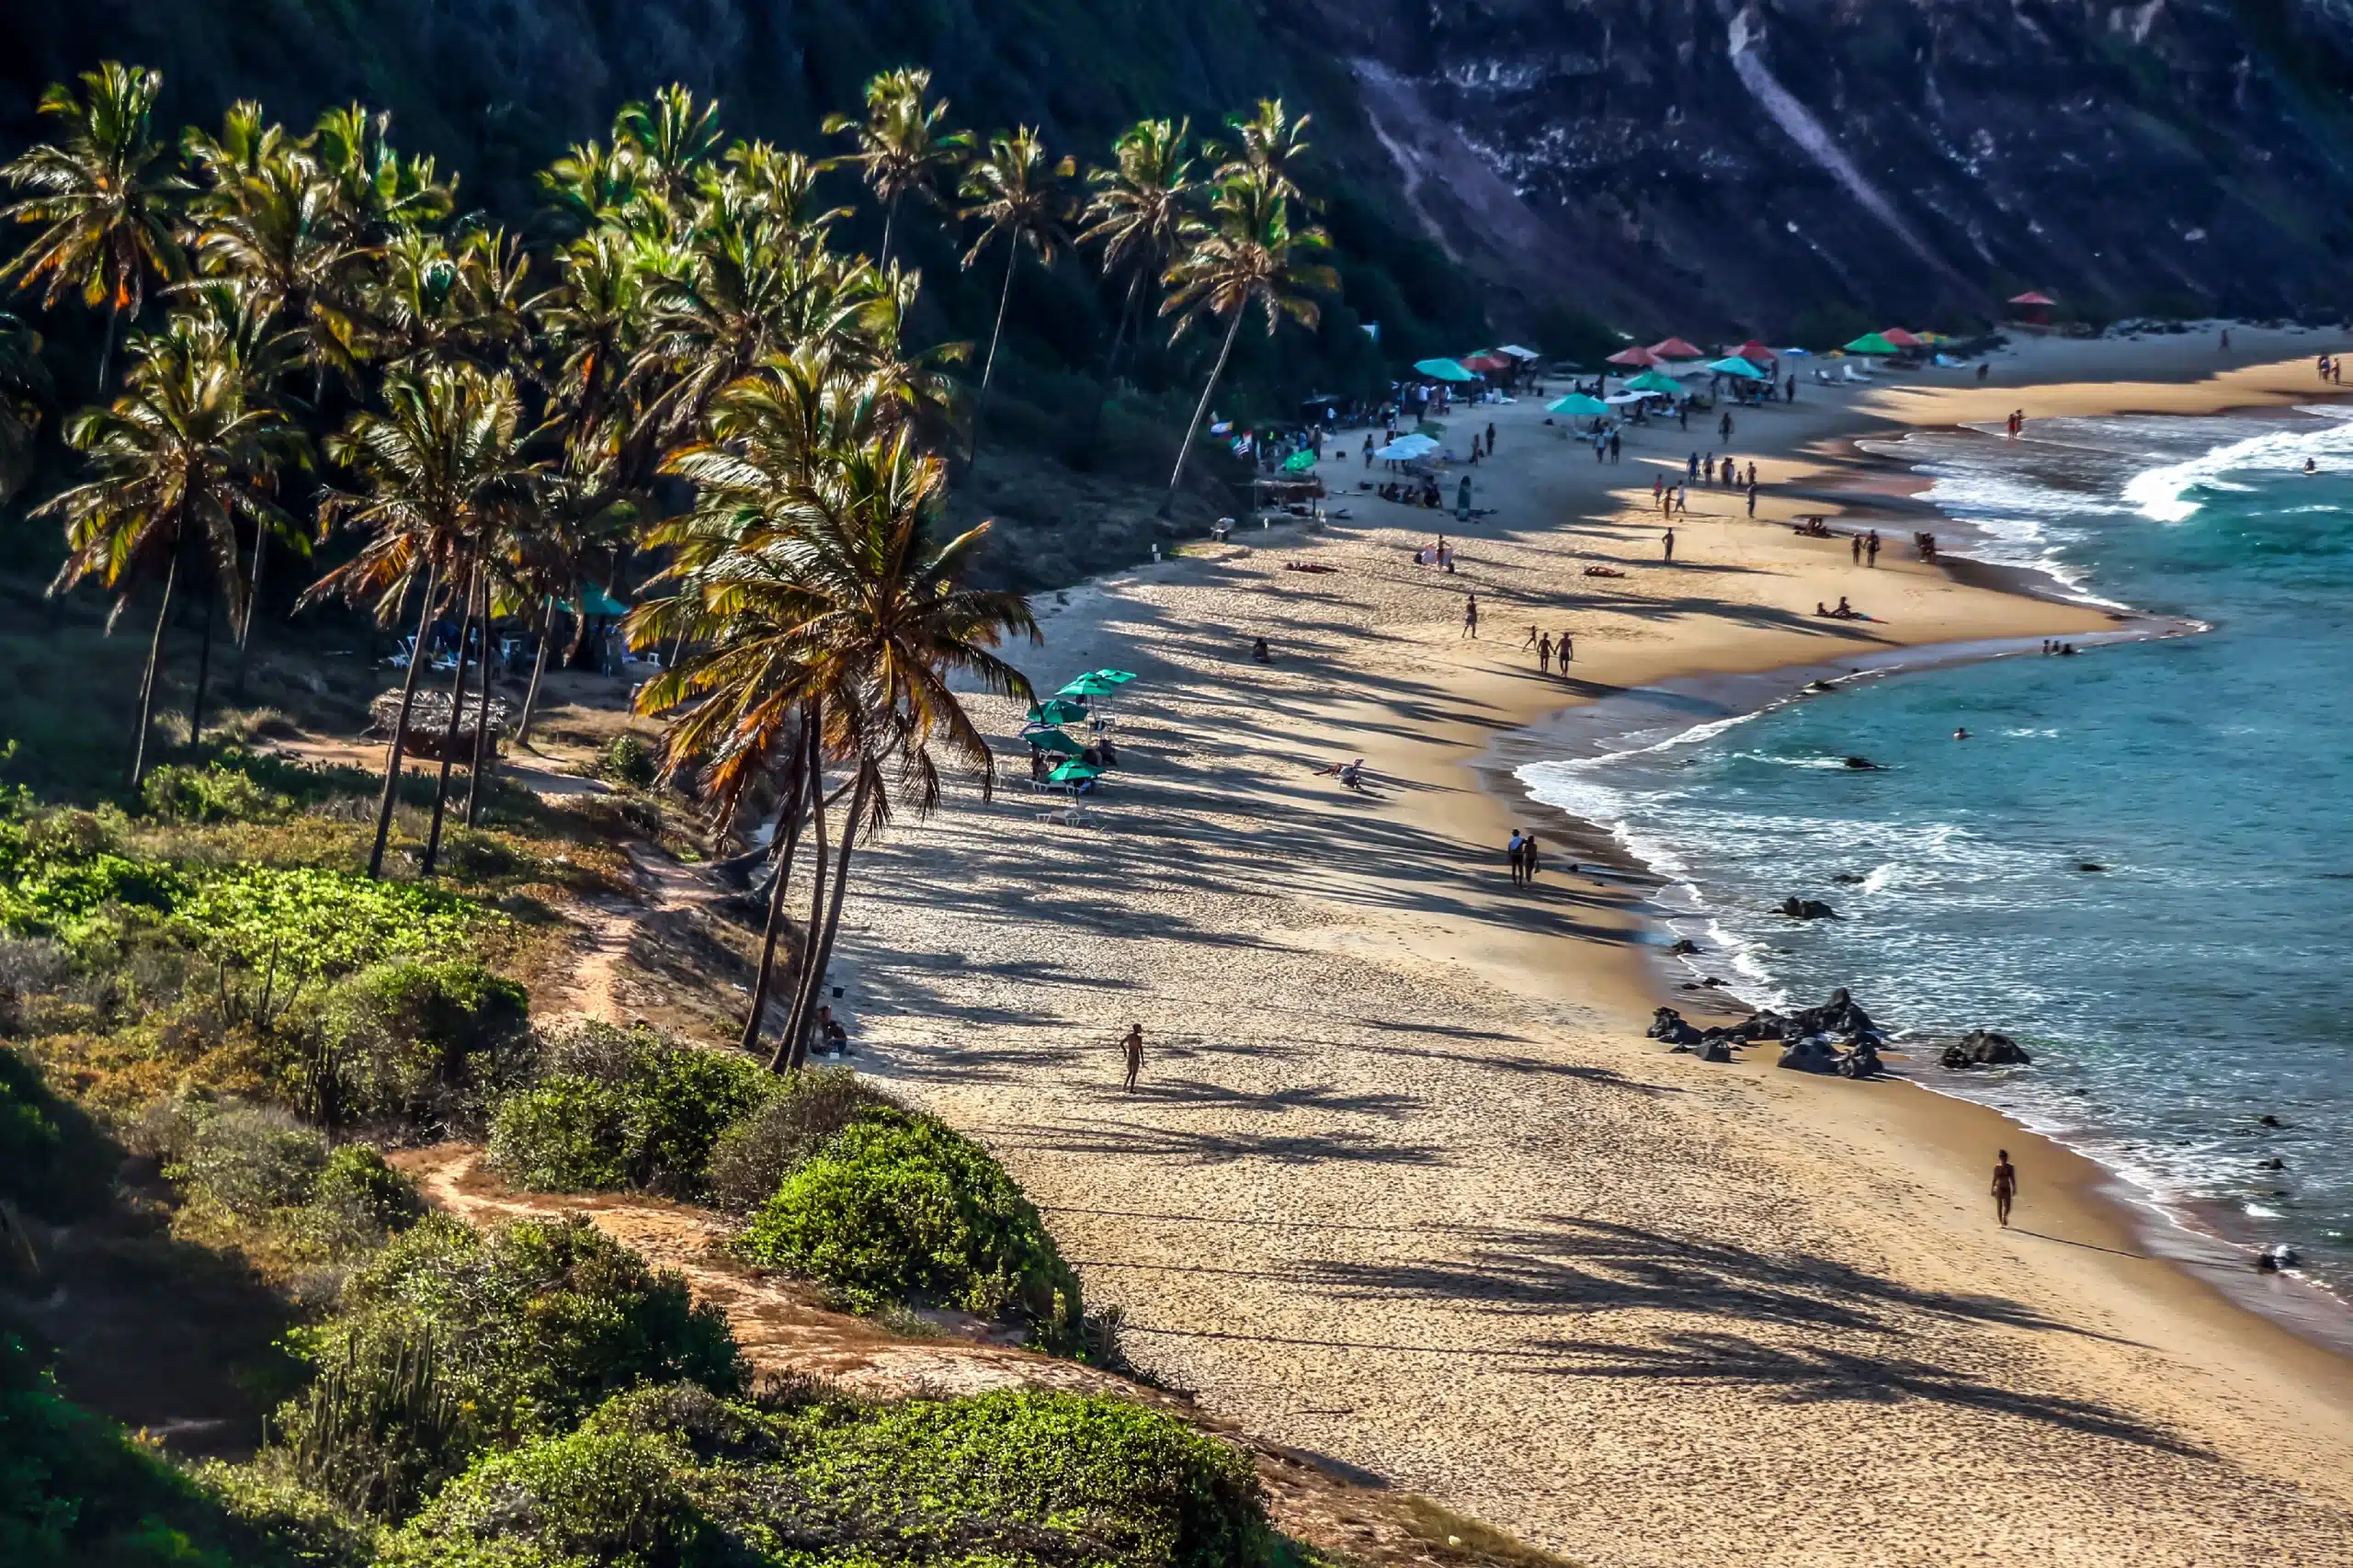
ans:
x=2199 y=982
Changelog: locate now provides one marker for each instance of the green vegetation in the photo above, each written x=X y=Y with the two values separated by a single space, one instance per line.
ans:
x=897 y=1207
x=623 y=1109
x=758 y=1151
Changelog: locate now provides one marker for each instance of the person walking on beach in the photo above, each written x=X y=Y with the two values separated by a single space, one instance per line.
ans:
x=1471 y=614
x=1792 y=391
x=1682 y=499
x=1752 y=494
x=1524 y=647
x=1544 y=655
x=1669 y=542
x=2006 y=1186
x=1133 y=1046
x=1527 y=861
x=1691 y=470
x=1562 y=648
x=1491 y=438
x=1616 y=444
x=1855 y=548
x=1870 y=549
x=1723 y=428
x=1658 y=485
x=1511 y=854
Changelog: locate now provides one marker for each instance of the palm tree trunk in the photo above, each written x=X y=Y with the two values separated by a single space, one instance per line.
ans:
x=1012 y=260
x=539 y=669
x=1193 y=431
x=399 y=730
x=889 y=222
x=449 y=734
x=788 y=825
x=204 y=673
x=812 y=985
x=804 y=988
x=253 y=604
x=486 y=755
x=105 y=348
x=155 y=667
x=1119 y=334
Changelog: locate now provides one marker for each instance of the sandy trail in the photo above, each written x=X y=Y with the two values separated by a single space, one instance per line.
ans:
x=1404 y=1186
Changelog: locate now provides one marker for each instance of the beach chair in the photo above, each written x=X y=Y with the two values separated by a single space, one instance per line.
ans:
x=401 y=655
x=1854 y=374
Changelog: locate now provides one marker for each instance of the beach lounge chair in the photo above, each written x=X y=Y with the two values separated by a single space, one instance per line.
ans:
x=1853 y=374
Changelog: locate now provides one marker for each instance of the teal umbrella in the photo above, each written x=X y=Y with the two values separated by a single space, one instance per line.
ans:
x=1873 y=343
x=1736 y=366
x=1442 y=370
x=1651 y=382
x=1578 y=404
x=1054 y=742
x=1089 y=685
x=1116 y=677
x=1299 y=461
x=1056 y=710
x=1074 y=772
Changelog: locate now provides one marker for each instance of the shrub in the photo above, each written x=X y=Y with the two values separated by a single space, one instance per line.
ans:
x=321 y=922
x=755 y=1152
x=899 y=1207
x=425 y=1048
x=626 y=759
x=536 y=1322
x=377 y=1428
x=612 y=1499
x=251 y=1160
x=356 y=1184
x=624 y=1108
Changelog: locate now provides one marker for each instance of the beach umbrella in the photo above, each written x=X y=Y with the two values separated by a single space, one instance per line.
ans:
x=1797 y=354
x=1755 y=352
x=1054 y=742
x=1634 y=358
x=1653 y=382
x=1486 y=361
x=1620 y=400
x=1735 y=366
x=1871 y=343
x=1116 y=677
x=1406 y=449
x=1088 y=686
x=1056 y=710
x=2032 y=297
x=1517 y=352
x=1577 y=404
x=1299 y=461
x=1676 y=349
x=1442 y=370
x=1904 y=340
x=1074 y=772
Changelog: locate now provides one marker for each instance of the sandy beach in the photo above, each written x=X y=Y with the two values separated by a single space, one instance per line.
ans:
x=1404 y=1187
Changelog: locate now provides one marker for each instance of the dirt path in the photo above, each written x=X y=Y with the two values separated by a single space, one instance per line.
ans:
x=607 y=927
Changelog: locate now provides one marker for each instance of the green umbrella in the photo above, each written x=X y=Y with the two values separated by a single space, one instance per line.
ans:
x=1299 y=461
x=1055 y=742
x=1442 y=370
x=602 y=603
x=1873 y=343
x=1055 y=711
x=1736 y=366
x=1116 y=677
x=1089 y=685
x=1579 y=404
x=1074 y=772
x=1651 y=382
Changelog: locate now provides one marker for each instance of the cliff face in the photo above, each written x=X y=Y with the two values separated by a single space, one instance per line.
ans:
x=1744 y=162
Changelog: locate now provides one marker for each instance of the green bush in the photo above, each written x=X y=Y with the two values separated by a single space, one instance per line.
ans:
x=245 y=786
x=755 y=1152
x=357 y=1185
x=898 y=1207
x=534 y=1323
x=321 y=922
x=424 y=1049
x=606 y=1499
x=379 y=1428
x=624 y=1108
x=251 y=1160
x=626 y=759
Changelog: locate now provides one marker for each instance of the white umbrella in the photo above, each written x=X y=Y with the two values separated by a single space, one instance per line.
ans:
x=1621 y=399
x=1405 y=449
x=1517 y=352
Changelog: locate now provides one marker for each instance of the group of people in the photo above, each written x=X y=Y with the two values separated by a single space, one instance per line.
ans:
x=1707 y=471
x=2332 y=369
x=1440 y=555
x=1864 y=547
x=2053 y=648
x=1547 y=649
x=1521 y=855
x=1926 y=544
x=2017 y=421
x=1844 y=612
x=1425 y=493
x=1349 y=773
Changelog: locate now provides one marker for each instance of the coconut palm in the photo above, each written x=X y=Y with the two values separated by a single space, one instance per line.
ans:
x=1269 y=142
x=670 y=140
x=1138 y=208
x=383 y=191
x=901 y=146
x=182 y=457
x=107 y=210
x=823 y=614
x=438 y=469
x=1016 y=191
x=1247 y=252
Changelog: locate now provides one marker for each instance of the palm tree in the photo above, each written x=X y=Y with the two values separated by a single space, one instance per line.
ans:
x=108 y=212
x=1138 y=208
x=24 y=389
x=438 y=468
x=1246 y=253
x=1016 y=191
x=181 y=457
x=823 y=616
x=1269 y=142
x=901 y=146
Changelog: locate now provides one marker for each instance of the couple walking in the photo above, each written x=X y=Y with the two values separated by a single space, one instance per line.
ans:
x=1521 y=853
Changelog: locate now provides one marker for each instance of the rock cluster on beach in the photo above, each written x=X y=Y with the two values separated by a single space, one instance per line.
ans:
x=1837 y=1037
x=1808 y=909
x=1983 y=1048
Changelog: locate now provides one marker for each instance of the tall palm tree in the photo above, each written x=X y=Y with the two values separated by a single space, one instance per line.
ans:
x=106 y=208
x=1248 y=253
x=821 y=611
x=1138 y=208
x=437 y=469
x=184 y=455
x=1015 y=189
x=901 y=146
x=1269 y=142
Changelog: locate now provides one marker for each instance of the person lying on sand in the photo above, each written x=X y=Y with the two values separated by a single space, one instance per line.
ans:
x=1337 y=768
x=1603 y=572
x=1844 y=612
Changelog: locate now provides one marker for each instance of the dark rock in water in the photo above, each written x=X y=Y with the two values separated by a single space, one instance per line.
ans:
x=1713 y=1050
x=1811 y=1054
x=1670 y=1026
x=1818 y=685
x=1849 y=879
x=1862 y=1061
x=1983 y=1048
x=2089 y=866
x=1688 y=985
x=2275 y=1164
x=1864 y=765
x=2274 y=1258
x=2267 y=1119
x=1684 y=947
x=1807 y=909
x=1708 y=980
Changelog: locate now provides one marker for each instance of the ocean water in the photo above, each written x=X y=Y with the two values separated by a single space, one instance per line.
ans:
x=2204 y=979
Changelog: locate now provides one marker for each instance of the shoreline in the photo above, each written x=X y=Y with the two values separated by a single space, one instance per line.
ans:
x=1404 y=1187
x=2192 y=1242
